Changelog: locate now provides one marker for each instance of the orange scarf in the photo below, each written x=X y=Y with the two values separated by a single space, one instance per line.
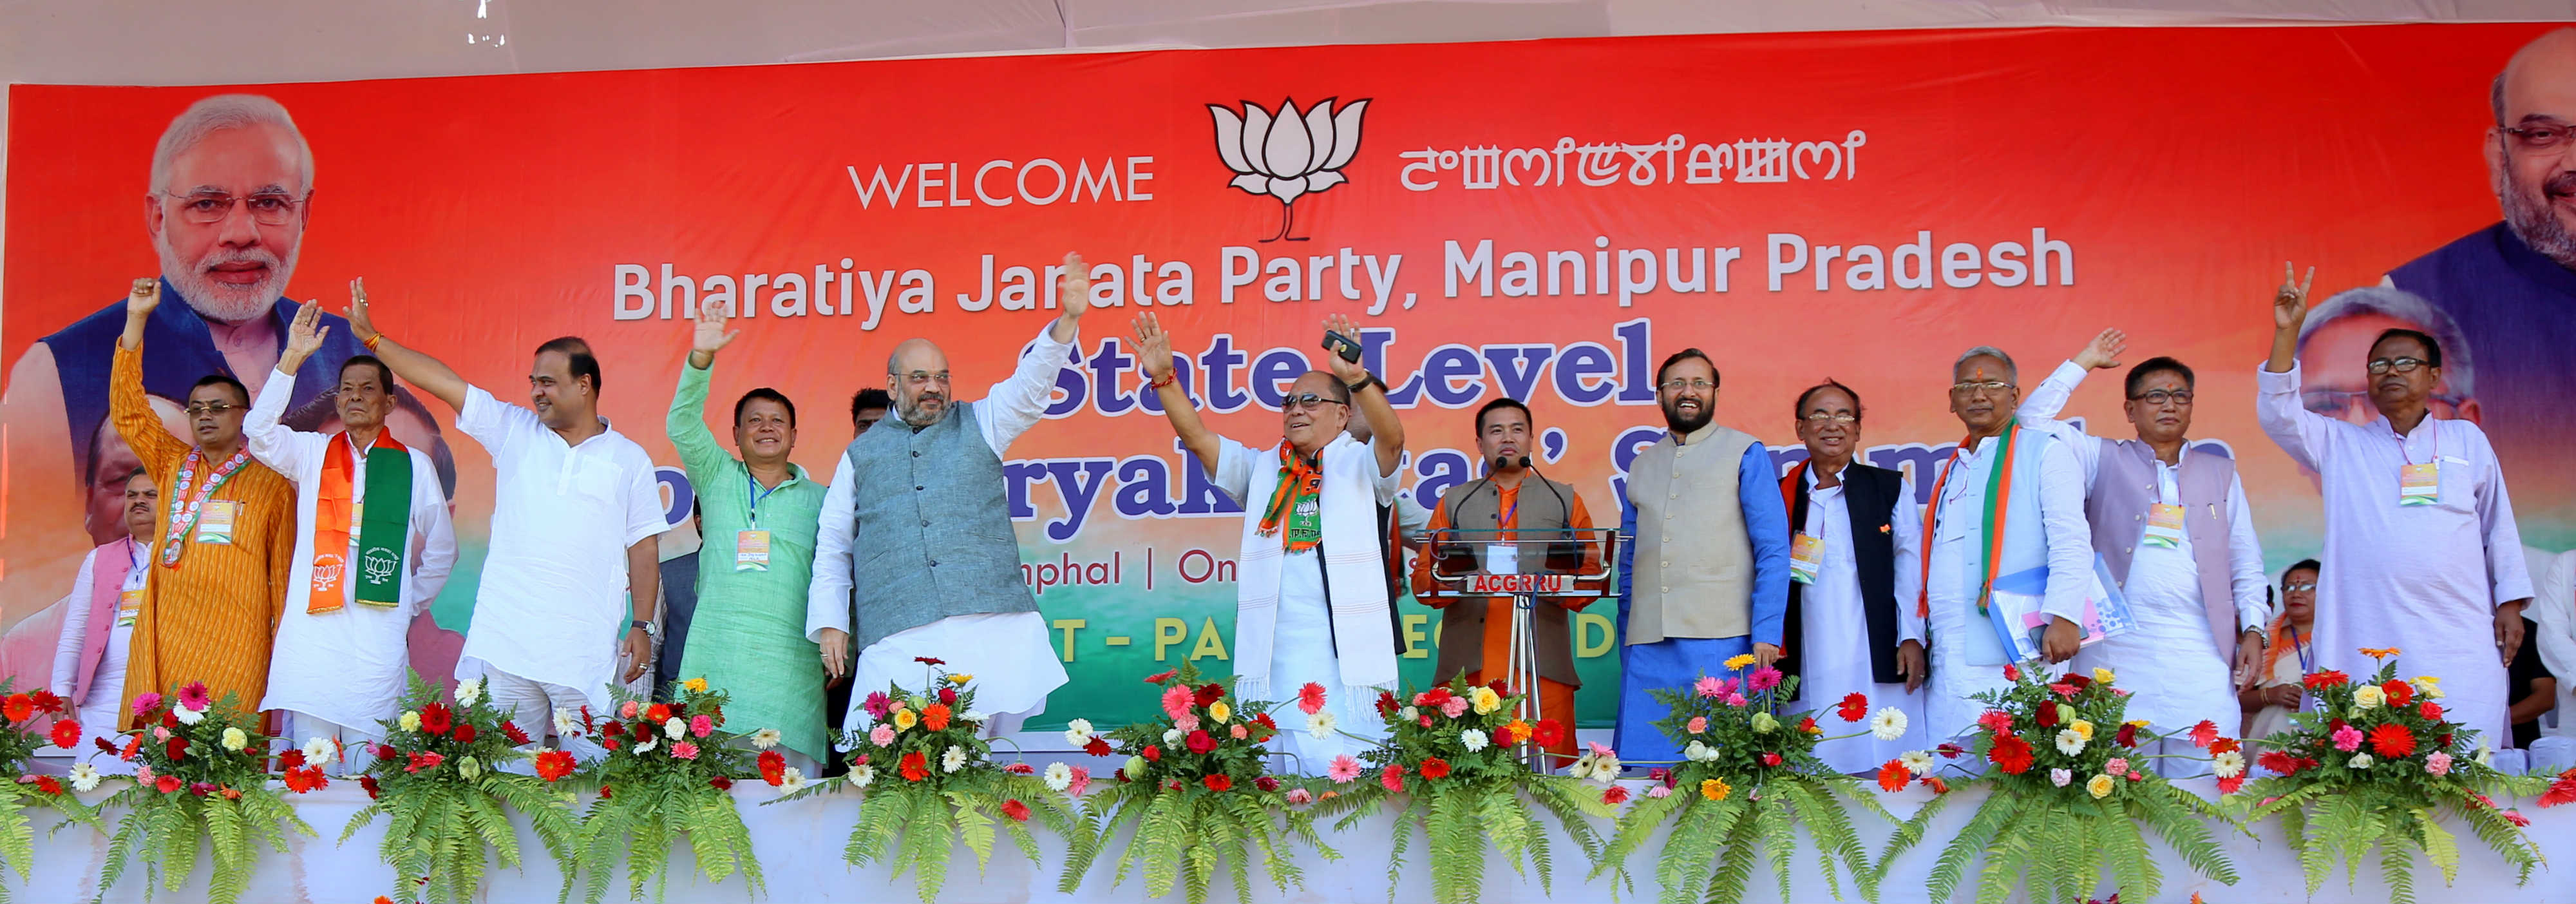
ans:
x=1298 y=478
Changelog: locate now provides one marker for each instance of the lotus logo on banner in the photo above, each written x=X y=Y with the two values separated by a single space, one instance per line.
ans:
x=1288 y=155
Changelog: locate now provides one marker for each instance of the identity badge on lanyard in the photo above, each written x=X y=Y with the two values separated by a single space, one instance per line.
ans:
x=2421 y=484
x=215 y=521
x=1505 y=557
x=2164 y=525
x=751 y=544
x=1806 y=557
x=129 y=604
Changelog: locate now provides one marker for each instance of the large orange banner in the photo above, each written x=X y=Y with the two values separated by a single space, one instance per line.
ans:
x=1543 y=220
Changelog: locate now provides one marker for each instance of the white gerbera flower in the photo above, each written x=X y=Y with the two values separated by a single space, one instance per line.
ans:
x=316 y=750
x=2069 y=742
x=1888 y=725
x=1605 y=768
x=1321 y=724
x=566 y=724
x=1058 y=776
x=792 y=779
x=468 y=691
x=676 y=727
x=953 y=760
x=2228 y=765
x=1473 y=739
x=84 y=777
x=1916 y=761
x=1078 y=732
x=765 y=738
x=975 y=716
x=188 y=716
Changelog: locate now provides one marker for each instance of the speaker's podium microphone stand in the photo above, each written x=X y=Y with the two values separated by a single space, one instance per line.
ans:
x=1524 y=567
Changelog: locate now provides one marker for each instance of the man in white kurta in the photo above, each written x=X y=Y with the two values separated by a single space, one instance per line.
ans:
x=1984 y=394
x=1311 y=601
x=337 y=672
x=2421 y=550
x=1833 y=649
x=1000 y=639
x=2169 y=658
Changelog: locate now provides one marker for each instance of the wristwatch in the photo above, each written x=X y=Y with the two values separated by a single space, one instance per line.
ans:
x=647 y=627
x=1359 y=387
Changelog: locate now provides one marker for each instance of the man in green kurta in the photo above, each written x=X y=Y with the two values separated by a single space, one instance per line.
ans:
x=758 y=515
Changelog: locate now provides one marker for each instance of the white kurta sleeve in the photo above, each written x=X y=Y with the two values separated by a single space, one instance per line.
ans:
x=67 y=648
x=1906 y=522
x=1233 y=474
x=436 y=557
x=496 y=424
x=2245 y=578
x=2302 y=433
x=269 y=440
x=2070 y=538
x=2508 y=576
x=827 y=597
x=1014 y=405
x=2039 y=410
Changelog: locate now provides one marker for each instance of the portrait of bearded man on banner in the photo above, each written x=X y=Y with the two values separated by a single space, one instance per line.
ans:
x=2511 y=287
x=230 y=195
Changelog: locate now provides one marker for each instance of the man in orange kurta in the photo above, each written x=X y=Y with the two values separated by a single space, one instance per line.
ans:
x=1510 y=502
x=219 y=580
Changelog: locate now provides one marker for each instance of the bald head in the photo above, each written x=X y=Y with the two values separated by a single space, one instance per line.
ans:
x=2531 y=157
x=917 y=378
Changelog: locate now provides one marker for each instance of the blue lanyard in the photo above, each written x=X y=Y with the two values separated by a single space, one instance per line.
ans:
x=753 y=492
x=2307 y=661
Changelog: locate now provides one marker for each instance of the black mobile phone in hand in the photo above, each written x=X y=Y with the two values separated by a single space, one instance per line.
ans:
x=1342 y=345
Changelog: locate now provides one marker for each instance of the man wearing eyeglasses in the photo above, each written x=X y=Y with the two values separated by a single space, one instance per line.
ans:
x=223 y=551
x=1311 y=602
x=1707 y=577
x=2024 y=487
x=2169 y=520
x=2512 y=285
x=917 y=523
x=2421 y=549
x=2342 y=328
x=1851 y=624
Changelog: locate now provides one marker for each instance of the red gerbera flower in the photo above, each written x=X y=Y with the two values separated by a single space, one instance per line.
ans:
x=1017 y=811
x=1209 y=693
x=435 y=719
x=2224 y=745
x=167 y=784
x=369 y=782
x=516 y=736
x=720 y=783
x=1950 y=751
x=2204 y=733
x=298 y=782
x=1161 y=677
x=2011 y=754
x=2324 y=679
x=2392 y=740
x=2399 y=693
x=1099 y=746
x=1433 y=767
x=1893 y=776
x=1807 y=725
x=2278 y=761
x=1855 y=707
x=773 y=766
x=1386 y=704
x=2229 y=784
x=605 y=793
x=926 y=660
x=1938 y=786
x=18 y=707
x=915 y=767
x=66 y=733
x=48 y=784
x=553 y=765
x=103 y=745
x=2563 y=790
x=291 y=759
x=1217 y=782
x=1548 y=733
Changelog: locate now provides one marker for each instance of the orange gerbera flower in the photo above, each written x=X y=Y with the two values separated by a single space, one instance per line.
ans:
x=2379 y=652
x=935 y=717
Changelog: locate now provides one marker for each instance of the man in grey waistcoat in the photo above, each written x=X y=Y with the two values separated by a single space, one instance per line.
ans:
x=2169 y=519
x=918 y=522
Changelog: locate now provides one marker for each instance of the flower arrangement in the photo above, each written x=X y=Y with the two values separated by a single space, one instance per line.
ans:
x=1197 y=791
x=668 y=773
x=2069 y=792
x=1456 y=752
x=19 y=713
x=1749 y=777
x=437 y=779
x=201 y=771
x=2367 y=764
x=926 y=776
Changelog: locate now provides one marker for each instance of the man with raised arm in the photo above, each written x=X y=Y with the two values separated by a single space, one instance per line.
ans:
x=2421 y=550
x=918 y=521
x=222 y=553
x=758 y=514
x=1310 y=586
x=372 y=549
x=575 y=510
x=2169 y=519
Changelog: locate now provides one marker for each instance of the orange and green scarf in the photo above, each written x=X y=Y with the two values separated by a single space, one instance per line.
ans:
x=384 y=530
x=1298 y=479
x=1998 y=502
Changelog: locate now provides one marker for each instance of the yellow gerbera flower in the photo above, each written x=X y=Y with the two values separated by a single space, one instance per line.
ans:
x=2102 y=676
x=1739 y=661
x=905 y=718
x=1220 y=712
x=2428 y=686
x=1715 y=789
x=960 y=678
x=695 y=685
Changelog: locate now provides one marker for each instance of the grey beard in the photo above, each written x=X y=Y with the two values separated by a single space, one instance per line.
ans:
x=2527 y=213
x=910 y=411
x=220 y=302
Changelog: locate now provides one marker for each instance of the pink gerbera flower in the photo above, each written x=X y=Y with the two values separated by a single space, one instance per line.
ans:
x=1707 y=687
x=684 y=750
x=146 y=702
x=1764 y=678
x=878 y=705
x=1343 y=770
x=195 y=696
x=1176 y=701
x=1081 y=781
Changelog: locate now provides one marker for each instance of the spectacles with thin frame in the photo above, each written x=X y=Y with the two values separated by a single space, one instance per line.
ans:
x=924 y=378
x=2161 y=396
x=2541 y=136
x=268 y=208
x=1678 y=384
